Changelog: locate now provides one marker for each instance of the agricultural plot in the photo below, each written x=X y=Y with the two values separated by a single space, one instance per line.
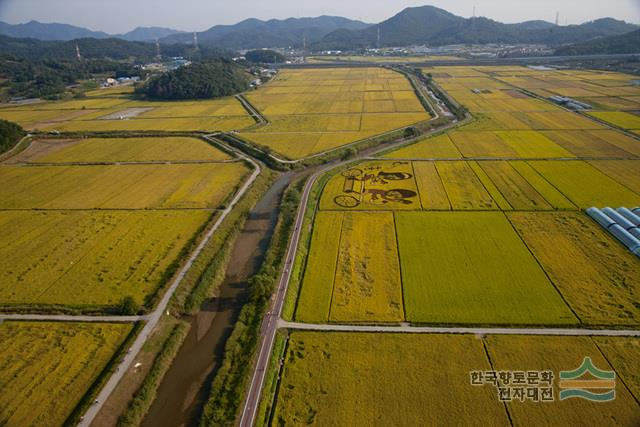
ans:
x=46 y=368
x=585 y=185
x=598 y=277
x=120 y=150
x=620 y=119
x=472 y=268
x=384 y=379
x=562 y=354
x=115 y=110
x=367 y=279
x=342 y=378
x=88 y=258
x=118 y=187
x=315 y=110
x=373 y=186
x=439 y=147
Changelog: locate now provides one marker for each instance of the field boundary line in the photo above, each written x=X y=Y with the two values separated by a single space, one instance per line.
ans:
x=155 y=317
x=283 y=324
x=71 y=318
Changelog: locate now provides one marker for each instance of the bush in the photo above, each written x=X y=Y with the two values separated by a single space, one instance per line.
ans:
x=128 y=306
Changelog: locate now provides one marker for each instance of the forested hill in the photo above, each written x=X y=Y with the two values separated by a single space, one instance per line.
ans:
x=209 y=79
x=433 y=26
x=626 y=43
x=91 y=48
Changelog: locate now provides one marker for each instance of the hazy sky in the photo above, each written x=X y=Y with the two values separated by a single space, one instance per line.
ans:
x=123 y=15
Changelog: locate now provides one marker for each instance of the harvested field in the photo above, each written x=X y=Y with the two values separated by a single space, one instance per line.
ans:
x=47 y=367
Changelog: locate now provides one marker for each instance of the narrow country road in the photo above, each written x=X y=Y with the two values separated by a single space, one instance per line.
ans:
x=156 y=315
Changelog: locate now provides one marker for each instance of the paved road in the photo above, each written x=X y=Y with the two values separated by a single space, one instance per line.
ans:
x=270 y=323
x=461 y=330
x=156 y=315
x=72 y=318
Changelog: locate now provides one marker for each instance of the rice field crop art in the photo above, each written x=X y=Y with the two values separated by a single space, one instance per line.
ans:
x=47 y=367
x=373 y=186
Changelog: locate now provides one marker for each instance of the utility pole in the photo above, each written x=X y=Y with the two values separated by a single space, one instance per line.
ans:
x=78 y=52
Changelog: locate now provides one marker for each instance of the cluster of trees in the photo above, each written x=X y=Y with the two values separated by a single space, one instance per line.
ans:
x=202 y=80
x=47 y=78
x=10 y=134
x=264 y=56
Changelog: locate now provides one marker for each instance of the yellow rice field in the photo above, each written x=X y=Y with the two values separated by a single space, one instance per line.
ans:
x=88 y=258
x=120 y=150
x=118 y=186
x=341 y=105
x=47 y=367
x=598 y=277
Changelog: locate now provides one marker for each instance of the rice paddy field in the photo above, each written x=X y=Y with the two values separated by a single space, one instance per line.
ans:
x=115 y=110
x=192 y=186
x=342 y=378
x=315 y=110
x=483 y=225
x=83 y=231
x=89 y=258
x=47 y=367
x=166 y=149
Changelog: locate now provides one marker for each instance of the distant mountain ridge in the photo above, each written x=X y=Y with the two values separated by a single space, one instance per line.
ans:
x=64 y=32
x=254 y=33
x=625 y=43
x=436 y=27
x=426 y=25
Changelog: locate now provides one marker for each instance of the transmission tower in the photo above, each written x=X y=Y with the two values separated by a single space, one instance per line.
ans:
x=378 y=38
x=557 y=18
x=158 y=56
x=195 y=41
x=78 y=52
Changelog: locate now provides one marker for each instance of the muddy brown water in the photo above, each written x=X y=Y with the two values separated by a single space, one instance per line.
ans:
x=185 y=388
